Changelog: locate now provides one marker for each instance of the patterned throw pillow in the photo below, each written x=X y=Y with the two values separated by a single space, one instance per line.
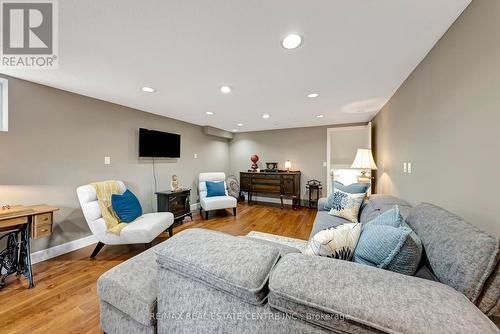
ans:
x=346 y=205
x=354 y=188
x=336 y=242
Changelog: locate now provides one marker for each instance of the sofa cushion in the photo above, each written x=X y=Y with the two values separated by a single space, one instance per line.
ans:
x=460 y=255
x=226 y=263
x=218 y=202
x=385 y=202
x=283 y=249
x=378 y=204
x=347 y=297
x=323 y=221
x=489 y=300
x=131 y=287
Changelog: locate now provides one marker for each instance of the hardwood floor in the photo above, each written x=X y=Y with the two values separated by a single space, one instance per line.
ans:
x=64 y=298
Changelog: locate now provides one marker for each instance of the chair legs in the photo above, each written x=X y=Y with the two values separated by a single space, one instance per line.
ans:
x=206 y=215
x=234 y=212
x=97 y=248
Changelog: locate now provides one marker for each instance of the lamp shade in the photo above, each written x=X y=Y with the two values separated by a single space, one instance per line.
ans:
x=288 y=164
x=364 y=159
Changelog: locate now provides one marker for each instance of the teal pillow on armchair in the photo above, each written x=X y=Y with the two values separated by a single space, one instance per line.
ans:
x=215 y=188
x=126 y=206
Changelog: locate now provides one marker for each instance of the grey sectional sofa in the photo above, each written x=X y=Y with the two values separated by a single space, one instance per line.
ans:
x=200 y=281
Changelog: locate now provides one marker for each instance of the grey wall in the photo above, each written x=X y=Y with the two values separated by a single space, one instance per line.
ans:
x=445 y=119
x=57 y=141
x=304 y=147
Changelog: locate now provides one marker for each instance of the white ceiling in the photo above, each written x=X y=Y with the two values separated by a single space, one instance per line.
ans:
x=353 y=51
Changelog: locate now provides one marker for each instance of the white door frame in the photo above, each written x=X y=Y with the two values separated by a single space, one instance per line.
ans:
x=329 y=133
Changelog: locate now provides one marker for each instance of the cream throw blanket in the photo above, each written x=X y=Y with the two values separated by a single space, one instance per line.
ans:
x=104 y=191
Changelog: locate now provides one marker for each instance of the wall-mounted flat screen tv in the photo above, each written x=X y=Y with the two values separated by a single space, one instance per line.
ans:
x=159 y=144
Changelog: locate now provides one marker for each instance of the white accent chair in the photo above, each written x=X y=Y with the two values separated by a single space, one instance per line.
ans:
x=142 y=231
x=216 y=202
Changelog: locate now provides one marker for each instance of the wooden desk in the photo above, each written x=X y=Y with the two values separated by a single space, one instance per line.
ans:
x=20 y=223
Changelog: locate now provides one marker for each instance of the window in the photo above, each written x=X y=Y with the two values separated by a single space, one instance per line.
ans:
x=4 y=104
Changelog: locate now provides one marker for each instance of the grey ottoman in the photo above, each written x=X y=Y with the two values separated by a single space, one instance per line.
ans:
x=127 y=295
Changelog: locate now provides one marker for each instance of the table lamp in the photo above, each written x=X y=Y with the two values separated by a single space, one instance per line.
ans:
x=288 y=165
x=364 y=160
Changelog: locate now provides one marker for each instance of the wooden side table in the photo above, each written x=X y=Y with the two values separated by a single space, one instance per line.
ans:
x=314 y=186
x=20 y=223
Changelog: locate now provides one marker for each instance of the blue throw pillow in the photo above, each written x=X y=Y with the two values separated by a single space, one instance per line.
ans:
x=355 y=188
x=215 y=188
x=387 y=242
x=126 y=206
x=391 y=217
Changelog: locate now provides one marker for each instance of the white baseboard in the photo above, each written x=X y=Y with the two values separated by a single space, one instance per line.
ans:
x=195 y=206
x=51 y=252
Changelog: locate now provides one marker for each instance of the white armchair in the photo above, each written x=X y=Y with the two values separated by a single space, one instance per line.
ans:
x=143 y=230
x=216 y=202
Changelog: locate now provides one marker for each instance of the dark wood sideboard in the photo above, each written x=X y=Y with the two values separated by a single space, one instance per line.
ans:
x=277 y=184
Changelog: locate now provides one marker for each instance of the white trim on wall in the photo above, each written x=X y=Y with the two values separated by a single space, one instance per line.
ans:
x=4 y=104
x=51 y=252
x=329 y=163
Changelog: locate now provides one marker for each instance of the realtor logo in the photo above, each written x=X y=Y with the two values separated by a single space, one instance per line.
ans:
x=29 y=34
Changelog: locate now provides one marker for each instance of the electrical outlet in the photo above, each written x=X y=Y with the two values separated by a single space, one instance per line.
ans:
x=405 y=168
x=196 y=155
x=409 y=168
x=324 y=163
x=107 y=160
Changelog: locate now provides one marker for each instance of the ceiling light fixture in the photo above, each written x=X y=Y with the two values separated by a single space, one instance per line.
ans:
x=235 y=130
x=226 y=89
x=148 y=89
x=320 y=116
x=291 y=41
x=312 y=95
x=240 y=124
x=209 y=113
x=265 y=116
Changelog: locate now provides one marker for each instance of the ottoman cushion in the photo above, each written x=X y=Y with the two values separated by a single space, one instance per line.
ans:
x=238 y=266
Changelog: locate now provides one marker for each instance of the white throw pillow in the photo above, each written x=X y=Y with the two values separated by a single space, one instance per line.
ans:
x=346 y=205
x=336 y=242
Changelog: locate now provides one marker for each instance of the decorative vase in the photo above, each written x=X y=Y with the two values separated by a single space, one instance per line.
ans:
x=254 y=158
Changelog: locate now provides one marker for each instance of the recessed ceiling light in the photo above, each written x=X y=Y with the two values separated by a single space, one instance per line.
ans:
x=266 y=116
x=209 y=113
x=226 y=89
x=148 y=89
x=235 y=130
x=291 y=41
x=312 y=95
x=320 y=116
x=240 y=124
